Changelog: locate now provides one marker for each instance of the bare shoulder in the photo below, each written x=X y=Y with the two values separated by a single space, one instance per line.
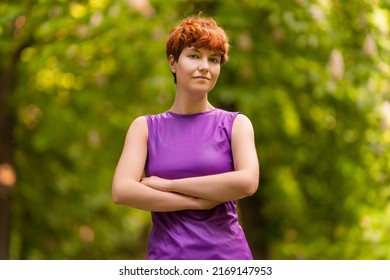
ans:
x=242 y=124
x=139 y=122
x=241 y=118
x=138 y=127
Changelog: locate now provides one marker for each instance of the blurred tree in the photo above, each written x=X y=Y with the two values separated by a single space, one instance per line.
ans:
x=10 y=53
x=313 y=76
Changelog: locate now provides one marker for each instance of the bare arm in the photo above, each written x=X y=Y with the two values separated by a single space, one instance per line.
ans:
x=241 y=182
x=127 y=188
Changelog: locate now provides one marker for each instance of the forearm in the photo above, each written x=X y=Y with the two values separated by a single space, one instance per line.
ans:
x=137 y=195
x=241 y=182
x=220 y=187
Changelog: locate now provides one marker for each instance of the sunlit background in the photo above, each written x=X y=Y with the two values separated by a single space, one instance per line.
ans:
x=312 y=75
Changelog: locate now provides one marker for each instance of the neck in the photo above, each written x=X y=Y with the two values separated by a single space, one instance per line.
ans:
x=186 y=106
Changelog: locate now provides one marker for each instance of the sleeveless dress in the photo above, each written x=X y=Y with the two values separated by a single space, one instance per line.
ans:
x=182 y=146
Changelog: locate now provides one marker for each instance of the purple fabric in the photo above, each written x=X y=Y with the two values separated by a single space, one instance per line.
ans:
x=181 y=146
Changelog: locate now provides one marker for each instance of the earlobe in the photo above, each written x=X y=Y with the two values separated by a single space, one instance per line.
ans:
x=172 y=63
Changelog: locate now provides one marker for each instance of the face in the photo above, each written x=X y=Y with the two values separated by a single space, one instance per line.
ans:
x=196 y=70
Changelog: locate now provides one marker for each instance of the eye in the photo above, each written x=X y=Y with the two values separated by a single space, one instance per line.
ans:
x=193 y=56
x=215 y=60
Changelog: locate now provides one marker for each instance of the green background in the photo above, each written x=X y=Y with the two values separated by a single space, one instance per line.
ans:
x=312 y=75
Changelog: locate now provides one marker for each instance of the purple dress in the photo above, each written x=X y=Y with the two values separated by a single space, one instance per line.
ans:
x=182 y=146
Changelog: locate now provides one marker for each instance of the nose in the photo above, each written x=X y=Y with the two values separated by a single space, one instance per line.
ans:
x=204 y=65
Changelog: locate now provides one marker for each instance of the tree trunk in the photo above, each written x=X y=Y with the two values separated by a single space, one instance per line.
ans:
x=8 y=75
x=253 y=224
x=5 y=206
x=6 y=159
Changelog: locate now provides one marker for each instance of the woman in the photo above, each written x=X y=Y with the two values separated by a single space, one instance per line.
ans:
x=198 y=159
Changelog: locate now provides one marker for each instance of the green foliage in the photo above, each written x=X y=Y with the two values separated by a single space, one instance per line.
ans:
x=313 y=76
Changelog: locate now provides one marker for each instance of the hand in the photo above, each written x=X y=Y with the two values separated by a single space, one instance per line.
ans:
x=157 y=183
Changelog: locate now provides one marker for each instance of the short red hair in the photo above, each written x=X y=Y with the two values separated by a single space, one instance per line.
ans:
x=197 y=32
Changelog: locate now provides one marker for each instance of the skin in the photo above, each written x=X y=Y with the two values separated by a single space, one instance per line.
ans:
x=197 y=71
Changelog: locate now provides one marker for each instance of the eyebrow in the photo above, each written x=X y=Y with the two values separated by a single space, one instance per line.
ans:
x=198 y=51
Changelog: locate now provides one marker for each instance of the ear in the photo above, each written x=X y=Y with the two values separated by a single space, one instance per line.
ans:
x=172 y=63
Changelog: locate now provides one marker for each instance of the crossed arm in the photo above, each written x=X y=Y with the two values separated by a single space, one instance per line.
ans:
x=158 y=194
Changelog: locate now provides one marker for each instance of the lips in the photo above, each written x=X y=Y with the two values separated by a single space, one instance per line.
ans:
x=202 y=78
